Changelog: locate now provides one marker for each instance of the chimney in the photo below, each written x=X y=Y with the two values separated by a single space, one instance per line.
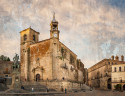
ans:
x=112 y=57
x=117 y=58
x=122 y=58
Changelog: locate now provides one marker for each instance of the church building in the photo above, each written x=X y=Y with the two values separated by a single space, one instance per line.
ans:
x=48 y=60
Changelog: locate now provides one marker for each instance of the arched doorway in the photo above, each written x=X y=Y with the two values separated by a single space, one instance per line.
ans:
x=118 y=87
x=124 y=87
x=37 y=77
x=109 y=83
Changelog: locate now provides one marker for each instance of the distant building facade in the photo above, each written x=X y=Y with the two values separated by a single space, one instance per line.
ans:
x=6 y=73
x=6 y=68
x=99 y=75
x=48 y=60
x=86 y=76
x=118 y=76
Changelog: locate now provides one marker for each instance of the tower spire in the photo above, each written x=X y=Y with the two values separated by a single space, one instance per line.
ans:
x=54 y=17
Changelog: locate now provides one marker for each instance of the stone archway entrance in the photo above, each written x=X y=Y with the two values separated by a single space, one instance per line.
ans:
x=109 y=83
x=37 y=77
x=124 y=87
x=118 y=87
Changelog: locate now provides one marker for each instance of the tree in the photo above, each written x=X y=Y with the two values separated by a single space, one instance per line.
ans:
x=4 y=58
x=8 y=59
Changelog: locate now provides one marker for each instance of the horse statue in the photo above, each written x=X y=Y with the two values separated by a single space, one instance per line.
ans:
x=16 y=62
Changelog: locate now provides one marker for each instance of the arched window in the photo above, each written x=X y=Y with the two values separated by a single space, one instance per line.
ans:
x=25 y=37
x=120 y=69
x=34 y=37
x=115 y=69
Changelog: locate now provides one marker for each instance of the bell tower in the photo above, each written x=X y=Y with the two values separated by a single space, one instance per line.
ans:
x=54 y=32
x=54 y=36
x=27 y=37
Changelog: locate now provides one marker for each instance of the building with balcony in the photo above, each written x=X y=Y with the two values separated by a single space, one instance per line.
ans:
x=118 y=76
x=99 y=75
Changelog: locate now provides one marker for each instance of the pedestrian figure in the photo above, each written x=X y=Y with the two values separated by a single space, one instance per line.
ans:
x=32 y=89
x=22 y=87
x=47 y=90
x=65 y=91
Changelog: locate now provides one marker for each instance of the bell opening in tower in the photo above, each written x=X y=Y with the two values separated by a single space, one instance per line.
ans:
x=54 y=27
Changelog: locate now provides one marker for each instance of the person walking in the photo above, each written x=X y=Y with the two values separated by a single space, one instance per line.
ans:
x=65 y=90
x=32 y=89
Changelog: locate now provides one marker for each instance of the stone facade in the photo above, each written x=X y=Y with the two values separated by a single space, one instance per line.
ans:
x=49 y=59
x=6 y=75
x=86 y=76
x=99 y=75
x=6 y=68
x=118 y=76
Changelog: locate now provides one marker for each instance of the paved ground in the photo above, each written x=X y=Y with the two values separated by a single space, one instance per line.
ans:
x=95 y=93
x=87 y=93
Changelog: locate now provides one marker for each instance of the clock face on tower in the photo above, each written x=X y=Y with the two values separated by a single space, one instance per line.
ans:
x=55 y=35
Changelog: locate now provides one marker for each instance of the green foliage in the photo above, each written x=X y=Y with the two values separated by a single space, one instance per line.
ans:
x=61 y=57
x=8 y=59
x=118 y=86
x=4 y=58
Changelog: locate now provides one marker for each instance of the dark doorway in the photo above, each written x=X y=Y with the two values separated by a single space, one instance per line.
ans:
x=98 y=83
x=109 y=84
x=124 y=87
x=37 y=77
x=118 y=87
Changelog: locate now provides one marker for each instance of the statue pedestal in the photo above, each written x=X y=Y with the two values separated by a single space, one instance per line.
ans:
x=16 y=78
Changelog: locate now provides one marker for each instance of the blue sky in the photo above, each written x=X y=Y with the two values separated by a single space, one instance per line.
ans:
x=93 y=29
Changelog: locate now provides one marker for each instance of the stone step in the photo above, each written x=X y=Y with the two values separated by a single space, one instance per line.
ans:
x=37 y=88
x=3 y=87
x=34 y=86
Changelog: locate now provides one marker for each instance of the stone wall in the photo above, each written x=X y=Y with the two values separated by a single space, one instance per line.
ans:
x=6 y=68
x=40 y=61
x=99 y=74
